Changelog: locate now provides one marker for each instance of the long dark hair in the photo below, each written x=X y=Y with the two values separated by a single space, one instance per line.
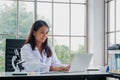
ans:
x=31 y=39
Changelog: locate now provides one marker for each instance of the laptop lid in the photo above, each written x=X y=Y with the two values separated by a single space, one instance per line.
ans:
x=80 y=62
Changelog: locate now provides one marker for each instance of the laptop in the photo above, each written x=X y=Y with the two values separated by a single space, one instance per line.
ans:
x=80 y=62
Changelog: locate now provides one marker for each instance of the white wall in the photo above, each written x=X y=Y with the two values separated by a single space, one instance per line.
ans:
x=96 y=31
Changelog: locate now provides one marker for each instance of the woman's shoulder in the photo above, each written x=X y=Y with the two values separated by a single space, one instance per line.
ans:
x=26 y=46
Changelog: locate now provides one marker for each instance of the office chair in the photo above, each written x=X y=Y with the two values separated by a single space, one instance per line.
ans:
x=12 y=54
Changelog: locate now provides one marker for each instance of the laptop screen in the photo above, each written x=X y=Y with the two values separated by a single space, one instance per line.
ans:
x=80 y=62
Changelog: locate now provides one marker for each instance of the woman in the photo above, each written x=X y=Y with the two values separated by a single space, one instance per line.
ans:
x=37 y=54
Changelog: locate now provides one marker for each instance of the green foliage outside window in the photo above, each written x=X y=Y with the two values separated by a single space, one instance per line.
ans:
x=2 y=59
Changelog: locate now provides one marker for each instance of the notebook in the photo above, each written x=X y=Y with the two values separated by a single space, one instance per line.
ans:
x=80 y=62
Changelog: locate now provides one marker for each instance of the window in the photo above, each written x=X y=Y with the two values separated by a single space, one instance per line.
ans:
x=112 y=23
x=66 y=18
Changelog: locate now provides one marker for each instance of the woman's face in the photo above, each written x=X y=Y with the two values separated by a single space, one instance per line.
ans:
x=41 y=34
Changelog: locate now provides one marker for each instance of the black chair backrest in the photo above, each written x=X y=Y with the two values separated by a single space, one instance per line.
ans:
x=11 y=44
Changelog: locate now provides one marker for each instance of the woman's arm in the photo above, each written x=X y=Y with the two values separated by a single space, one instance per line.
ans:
x=56 y=65
x=31 y=62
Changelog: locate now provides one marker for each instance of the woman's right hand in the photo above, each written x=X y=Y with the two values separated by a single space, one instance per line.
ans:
x=60 y=68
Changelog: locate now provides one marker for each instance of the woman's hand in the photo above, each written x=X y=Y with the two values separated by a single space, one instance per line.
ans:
x=60 y=68
x=66 y=68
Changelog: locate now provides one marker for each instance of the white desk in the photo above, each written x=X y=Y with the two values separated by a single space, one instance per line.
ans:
x=89 y=75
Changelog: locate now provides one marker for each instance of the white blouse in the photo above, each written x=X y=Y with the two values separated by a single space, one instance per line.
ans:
x=34 y=61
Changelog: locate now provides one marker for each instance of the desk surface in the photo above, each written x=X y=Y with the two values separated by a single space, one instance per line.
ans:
x=89 y=75
x=11 y=74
